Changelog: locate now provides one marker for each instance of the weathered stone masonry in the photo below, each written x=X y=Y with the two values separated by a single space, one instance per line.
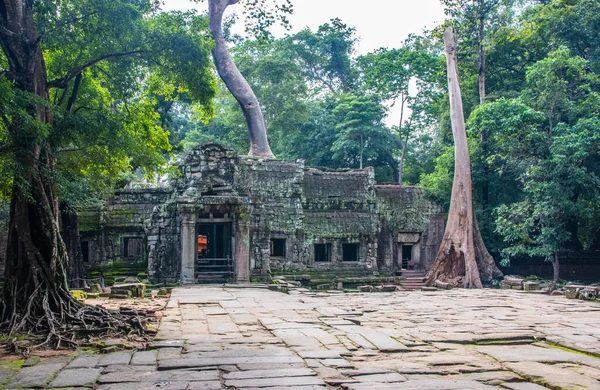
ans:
x=267 y=216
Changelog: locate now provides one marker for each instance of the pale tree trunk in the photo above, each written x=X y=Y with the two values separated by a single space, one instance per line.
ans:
x=401 y=162
x=455 y=262
x=236 y=83
x=361 y=152
x=481 y=61
x=556 y=269
x=404 y=143
x=488 y=270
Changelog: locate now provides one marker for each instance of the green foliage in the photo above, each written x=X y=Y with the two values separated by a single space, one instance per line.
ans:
x=325 y=56
x=111 y=67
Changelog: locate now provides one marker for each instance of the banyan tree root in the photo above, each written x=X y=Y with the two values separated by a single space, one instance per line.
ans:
x=59 y=321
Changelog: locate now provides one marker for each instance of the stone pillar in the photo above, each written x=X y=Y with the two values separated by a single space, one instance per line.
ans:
x=242 y=249
x=188 y=248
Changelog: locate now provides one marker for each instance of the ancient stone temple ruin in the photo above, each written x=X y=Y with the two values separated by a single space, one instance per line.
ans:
x=235 y=218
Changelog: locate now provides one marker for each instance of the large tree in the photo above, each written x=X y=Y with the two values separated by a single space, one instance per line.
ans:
x=72 y=42
x=231 y=76
x=460 y=256
x=408 y=76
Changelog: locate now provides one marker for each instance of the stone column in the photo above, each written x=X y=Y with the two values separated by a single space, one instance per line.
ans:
x=188 y=248
x=242 y=249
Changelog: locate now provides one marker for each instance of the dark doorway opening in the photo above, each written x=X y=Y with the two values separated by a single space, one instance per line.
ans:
x=214 y=252
x=407 y=256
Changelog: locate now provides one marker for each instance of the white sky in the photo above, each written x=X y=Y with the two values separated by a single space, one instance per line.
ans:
x=378 y=23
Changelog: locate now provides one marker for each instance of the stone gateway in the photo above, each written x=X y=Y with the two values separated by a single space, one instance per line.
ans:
x=236 y=218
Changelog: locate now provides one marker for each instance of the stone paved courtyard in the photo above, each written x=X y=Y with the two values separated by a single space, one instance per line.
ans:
x=251 y=338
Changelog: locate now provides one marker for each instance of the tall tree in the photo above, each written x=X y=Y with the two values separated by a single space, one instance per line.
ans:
x=362 y=135
x=231 y=76
x=456 y=261
x=409 y=77
x=35 y=295
x=326 y=56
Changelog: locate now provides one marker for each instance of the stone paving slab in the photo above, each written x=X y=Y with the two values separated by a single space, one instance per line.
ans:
x=212 y=361
x=120 y=358
x=76 y=377
x=34 y=377
x=289 y=382
x=175 y=385
x=532 y=353
x=261 y=339
x=144 y=358
x=158 y=376
x=257 y=374
x=422 y=385
x=85 y=361
x=553 y=375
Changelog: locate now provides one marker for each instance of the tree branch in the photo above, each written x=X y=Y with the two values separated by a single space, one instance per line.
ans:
x=67 y=23
x=64 y=81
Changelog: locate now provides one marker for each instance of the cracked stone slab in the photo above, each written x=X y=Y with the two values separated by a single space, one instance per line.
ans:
x=174 y=364
x=426 y=384
x=392 y=377
x=553 y=375
x=257 y=374
x=33 y=377
x=385 y=343
x=144 y=358
x=122 y=376
x=76 y=377
x=85 y=361
x=272 y=382
x=523 y=386
x=170 y=385
x=530 y=353
x=167 y=344
x=121 y=358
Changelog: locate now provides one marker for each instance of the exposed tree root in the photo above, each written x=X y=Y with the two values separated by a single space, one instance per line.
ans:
x=65 y=323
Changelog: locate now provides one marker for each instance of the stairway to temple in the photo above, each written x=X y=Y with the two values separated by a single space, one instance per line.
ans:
x=414 y=279
x=214 y=271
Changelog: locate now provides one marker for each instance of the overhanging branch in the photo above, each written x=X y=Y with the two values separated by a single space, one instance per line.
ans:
x=63 y=82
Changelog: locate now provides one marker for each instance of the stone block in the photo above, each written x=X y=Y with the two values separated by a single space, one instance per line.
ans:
x=588 y=294
x=530 y=286
x=365 y=288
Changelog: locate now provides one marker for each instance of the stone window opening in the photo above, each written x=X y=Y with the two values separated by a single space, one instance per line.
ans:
x=322 y=253
x=133 y=247
x=278 y=247
x=85 y=251
x=350 y=252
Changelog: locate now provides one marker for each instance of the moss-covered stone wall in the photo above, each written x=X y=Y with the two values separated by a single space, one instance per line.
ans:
x=272 y=200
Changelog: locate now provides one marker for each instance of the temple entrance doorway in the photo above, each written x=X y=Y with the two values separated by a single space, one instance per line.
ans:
x=214 y=252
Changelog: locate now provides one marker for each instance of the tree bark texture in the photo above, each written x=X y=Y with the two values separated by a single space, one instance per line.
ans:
x=556 y=268
x=236 y=83
x=456 y=262
x=35 y=283
x=72 y=238
x=36 y=296
x=488 y=270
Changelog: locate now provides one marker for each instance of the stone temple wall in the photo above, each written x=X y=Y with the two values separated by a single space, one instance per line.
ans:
x=106 y=231
x=304 y=209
